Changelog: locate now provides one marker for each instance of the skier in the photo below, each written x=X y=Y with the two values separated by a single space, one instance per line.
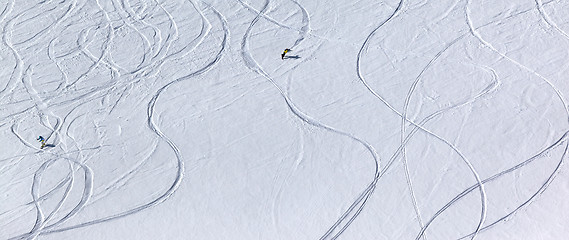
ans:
x=285 y=51
x=42 y=141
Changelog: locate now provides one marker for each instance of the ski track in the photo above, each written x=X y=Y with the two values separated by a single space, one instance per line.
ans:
x=366 y=194
x=476 y=34
x=96 y=60
x=41 y=226
x=24 y=209
x=157 y=50
x=305 y=30
x=33 y=39
x=152 y=125
x=6 y=39
x=254 y=66
x=479 y=184
x=403 y=125
x=122 y=180
x=542 y=153
x=474 y=234
x=548 y=20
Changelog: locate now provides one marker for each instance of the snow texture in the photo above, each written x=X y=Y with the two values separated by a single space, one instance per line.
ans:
x=178 y=119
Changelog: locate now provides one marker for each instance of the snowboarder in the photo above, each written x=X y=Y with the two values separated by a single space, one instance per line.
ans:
x=285 y=51
x=42 y=141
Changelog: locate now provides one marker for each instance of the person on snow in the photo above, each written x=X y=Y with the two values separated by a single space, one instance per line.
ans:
x=42 y=141
x=285 y=51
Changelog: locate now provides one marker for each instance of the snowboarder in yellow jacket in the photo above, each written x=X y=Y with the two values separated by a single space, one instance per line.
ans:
x=285 y=51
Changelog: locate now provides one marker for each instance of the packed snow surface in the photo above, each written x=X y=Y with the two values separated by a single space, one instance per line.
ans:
x=178 y=119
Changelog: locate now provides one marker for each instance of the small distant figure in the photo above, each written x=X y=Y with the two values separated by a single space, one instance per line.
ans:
x=285 y=51
x=42 y=141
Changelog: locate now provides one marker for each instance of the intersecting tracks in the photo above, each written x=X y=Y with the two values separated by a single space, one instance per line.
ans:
x=154 y=58
x=158 y=50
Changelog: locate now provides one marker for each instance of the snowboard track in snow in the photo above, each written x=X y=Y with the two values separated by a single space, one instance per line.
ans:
x=68 y=100
x=50 y=224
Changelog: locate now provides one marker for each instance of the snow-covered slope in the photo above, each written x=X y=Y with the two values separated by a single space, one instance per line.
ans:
x=178 y=119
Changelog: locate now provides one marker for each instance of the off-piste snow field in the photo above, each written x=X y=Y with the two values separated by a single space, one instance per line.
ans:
x=184 y=119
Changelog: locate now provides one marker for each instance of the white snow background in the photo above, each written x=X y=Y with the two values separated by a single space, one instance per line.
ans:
x=178 y=119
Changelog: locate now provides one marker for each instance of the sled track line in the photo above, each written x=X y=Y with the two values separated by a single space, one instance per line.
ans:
x=454 y=41
x=48 y=193
x=75 y=210
x=96 y=60
x=106 y=54
x=130 y=20
x=95 y=93
x=422 y=232
x=403 y=131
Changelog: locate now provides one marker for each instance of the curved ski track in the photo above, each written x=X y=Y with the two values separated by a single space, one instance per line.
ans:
x=46 y=222
x=153 y=126
x=158 y=49
x=254 y=66
x=362 y=199
x=417 y=126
